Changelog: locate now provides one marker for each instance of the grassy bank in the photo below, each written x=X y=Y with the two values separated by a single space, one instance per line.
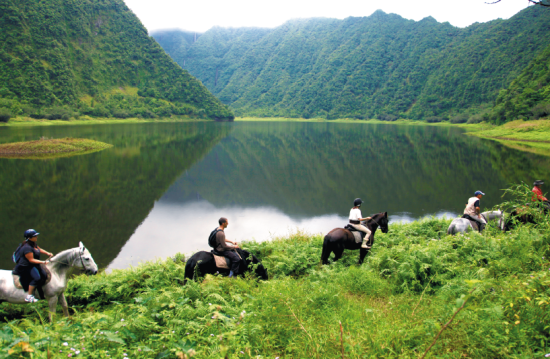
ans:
x=85 y=120
x=50 y=148
x=530 y=136
x=393 y=305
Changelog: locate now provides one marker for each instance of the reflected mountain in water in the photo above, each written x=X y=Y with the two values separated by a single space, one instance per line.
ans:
x=312 y=169
x=99 y=199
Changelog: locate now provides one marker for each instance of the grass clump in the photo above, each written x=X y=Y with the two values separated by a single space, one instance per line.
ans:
x=413 y=281
x=50 y=148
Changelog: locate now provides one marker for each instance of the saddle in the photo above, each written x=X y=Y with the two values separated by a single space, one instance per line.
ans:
x=357 y=234
x=222 y=262
x=18 y=285
x=473 y=222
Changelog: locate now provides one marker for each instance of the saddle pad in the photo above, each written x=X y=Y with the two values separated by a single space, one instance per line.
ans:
x=17 y=282
x=357 y=236
x=221 y=262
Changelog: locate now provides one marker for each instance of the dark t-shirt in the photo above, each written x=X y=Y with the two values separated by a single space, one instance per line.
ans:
x=29 y=247
x=476 y=204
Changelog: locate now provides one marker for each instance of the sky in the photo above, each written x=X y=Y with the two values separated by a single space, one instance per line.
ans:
x=201 y=15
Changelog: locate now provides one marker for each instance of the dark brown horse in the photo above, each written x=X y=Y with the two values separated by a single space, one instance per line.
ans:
x=339 y=238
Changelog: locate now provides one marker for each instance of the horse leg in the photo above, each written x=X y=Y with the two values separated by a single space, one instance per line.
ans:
x=64 y=306
x=52 y=302
x=362 y=253
x=338 y=252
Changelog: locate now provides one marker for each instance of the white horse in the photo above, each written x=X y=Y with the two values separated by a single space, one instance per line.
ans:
x=462 y=225
x=59 y=267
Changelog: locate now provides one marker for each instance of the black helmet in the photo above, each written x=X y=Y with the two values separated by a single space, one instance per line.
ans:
x=29 y=233
x=357 y=202
x=538 y=183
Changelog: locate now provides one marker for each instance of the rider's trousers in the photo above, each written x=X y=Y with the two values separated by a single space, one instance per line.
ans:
x=363 y=229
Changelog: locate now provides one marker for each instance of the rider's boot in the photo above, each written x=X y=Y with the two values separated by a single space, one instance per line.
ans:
x=364 y=245
x=231 y=274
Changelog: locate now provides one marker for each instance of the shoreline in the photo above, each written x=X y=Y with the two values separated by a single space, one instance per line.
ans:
x=530 y=136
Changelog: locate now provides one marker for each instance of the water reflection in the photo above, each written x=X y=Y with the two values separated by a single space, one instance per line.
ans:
x=162 y=187
x=183 y=228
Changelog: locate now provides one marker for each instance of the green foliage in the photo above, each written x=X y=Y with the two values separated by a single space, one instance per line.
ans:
x=528 y=96
x=381 y=66
x=411 y=283
x=5 y=115
x=93 y=57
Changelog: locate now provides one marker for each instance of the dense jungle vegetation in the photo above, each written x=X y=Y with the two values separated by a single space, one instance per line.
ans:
x=381 y=66
x=413 y=281
x=61 y=59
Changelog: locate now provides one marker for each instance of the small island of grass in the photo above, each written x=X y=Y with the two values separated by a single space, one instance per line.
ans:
x=51 y=148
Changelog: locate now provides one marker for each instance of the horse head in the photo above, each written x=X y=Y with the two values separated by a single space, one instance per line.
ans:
x=250 y=259
x=381 y=219
x=84 y=260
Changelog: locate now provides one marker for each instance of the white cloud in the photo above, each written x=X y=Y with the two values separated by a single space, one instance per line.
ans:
x=202 y=15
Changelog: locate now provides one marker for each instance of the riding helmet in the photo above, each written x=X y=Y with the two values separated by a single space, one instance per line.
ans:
x=357 y=202
x=538 y=183
x=479 y=192
x=29 y=233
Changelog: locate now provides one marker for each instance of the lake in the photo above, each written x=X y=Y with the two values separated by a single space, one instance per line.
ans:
x=162 y=187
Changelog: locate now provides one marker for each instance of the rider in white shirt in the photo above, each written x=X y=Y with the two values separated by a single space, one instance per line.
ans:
x=355 y=219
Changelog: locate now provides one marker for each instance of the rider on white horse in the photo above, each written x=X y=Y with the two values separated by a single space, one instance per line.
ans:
x=28 y=263
x=472 y=210
x=355 y=219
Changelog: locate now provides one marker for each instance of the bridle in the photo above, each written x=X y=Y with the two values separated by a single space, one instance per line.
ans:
x=377 y=222
x=84 y=269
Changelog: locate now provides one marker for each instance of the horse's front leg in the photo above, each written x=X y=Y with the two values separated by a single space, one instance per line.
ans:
x=63 y=302
x=362 y=253
x=52 y=302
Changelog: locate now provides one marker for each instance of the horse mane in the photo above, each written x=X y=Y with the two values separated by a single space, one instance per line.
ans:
x=64 y=258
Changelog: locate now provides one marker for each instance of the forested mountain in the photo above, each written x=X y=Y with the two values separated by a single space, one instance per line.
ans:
x=91 y=57
x=377 y=66
x=529 y=94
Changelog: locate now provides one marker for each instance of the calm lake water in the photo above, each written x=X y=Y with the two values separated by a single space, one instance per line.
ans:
x=162 y=187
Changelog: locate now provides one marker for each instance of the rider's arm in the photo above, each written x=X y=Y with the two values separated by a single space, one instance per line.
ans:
x=476 y=205
x=365 y=219
x=45 y=252
x=222 y=242
x=30 y=258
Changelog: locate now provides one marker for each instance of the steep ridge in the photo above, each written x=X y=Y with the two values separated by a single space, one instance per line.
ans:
x=529 y=95
x=92 y=57
x=378 y=66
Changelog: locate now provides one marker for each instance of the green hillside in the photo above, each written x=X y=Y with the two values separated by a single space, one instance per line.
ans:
x=529 y=95
x=61 y=59
x=378 y=66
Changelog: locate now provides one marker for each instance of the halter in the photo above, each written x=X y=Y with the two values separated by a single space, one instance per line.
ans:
x=375 y=221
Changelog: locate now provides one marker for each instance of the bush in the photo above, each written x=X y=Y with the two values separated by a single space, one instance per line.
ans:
x=475 y=119
x=386 y=117
x=462 y=118
x=121 y=114
x=57 y=113
x=434 y=119
x=541 y=110
x=5 y=115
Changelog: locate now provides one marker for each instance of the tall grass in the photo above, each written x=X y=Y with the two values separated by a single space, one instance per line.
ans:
x=393 y=305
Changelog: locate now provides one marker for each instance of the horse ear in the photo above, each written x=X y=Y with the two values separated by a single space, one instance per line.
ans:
x=81 y=246
x=386 y=214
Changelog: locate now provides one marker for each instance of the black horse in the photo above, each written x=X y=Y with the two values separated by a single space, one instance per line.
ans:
x=202 y=263
x=339 y=238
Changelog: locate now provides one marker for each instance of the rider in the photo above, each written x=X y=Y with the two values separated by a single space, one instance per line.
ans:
x=355 y=219
x=538 y=196
x=225 y=250
x=28 y=265
x=472 y=210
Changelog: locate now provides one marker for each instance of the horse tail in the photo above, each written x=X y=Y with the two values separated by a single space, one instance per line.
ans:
x=326 y=250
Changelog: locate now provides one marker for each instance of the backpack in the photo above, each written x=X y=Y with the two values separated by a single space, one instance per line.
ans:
x=212 y=238
x=16 y=255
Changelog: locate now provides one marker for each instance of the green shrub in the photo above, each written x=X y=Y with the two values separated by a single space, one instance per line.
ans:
x=462 y=118
x=5 y=115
